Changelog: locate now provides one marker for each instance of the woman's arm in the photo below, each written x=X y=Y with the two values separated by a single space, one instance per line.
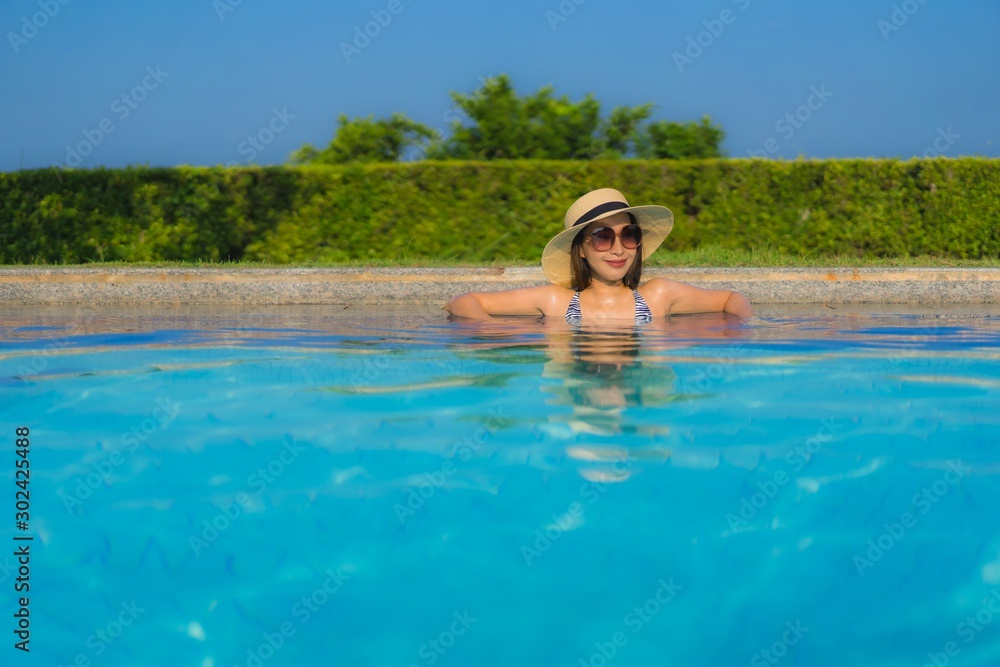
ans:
x=682 y=298
x=737 y=304
x=521 y=301
x=466 y=305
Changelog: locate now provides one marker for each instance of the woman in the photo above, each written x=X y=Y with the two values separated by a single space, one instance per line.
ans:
x=595 y=265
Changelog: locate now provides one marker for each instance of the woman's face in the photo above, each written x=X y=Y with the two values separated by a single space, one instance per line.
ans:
x=614 y=263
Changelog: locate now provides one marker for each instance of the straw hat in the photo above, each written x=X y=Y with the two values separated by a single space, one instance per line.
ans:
x=655 y=221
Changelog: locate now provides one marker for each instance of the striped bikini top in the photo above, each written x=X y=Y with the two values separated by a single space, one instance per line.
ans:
x=642 y=312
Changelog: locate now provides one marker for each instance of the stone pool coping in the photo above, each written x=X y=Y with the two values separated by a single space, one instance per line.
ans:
x=413 y=286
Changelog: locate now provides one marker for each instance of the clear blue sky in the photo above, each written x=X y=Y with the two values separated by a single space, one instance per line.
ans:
x=889 y=89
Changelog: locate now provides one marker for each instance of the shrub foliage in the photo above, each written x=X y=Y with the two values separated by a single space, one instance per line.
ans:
x=495 y=210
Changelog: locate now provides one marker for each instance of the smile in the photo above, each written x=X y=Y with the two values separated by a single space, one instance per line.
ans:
x=617 y=265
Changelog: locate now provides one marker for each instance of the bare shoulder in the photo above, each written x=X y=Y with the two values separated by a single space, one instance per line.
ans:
x=558 y=299
x=659 y=288
x=555 y=298
x=659 y=284
x=657 y=294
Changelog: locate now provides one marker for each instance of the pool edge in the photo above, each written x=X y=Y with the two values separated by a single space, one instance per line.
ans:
x=409 y=286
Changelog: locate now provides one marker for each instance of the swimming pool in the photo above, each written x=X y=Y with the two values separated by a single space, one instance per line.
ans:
x=327 y=486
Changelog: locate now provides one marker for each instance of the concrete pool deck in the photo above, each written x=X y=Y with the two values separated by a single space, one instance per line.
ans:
x=151 y=286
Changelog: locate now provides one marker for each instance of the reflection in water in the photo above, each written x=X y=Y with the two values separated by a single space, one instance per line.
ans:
x=609 y=391
x=600 y=375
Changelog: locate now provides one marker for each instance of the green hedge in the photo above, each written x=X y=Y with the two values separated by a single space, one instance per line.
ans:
x=481 y=211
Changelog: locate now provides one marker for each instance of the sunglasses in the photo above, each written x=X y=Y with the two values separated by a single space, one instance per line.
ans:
x=603 y=238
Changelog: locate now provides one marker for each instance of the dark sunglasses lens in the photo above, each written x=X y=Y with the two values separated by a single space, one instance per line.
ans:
x=602 y=238
x=631 y=236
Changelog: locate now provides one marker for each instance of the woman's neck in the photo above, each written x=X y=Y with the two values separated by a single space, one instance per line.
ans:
x=601 y=288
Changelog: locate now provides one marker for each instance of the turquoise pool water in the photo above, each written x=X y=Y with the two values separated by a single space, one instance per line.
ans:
x=319 y=486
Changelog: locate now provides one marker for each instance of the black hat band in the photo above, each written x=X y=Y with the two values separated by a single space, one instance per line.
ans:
x=600 y=210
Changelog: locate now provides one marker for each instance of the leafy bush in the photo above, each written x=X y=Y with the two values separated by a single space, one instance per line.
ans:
x=495 y=210
x=495 y=123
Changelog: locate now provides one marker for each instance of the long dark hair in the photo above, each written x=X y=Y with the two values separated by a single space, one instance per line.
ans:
x=581 y=269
